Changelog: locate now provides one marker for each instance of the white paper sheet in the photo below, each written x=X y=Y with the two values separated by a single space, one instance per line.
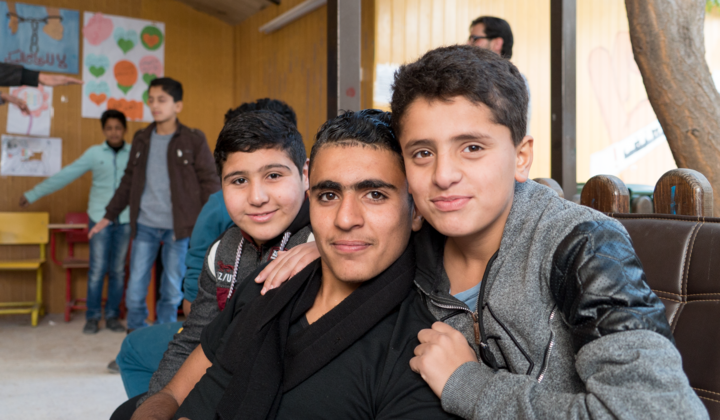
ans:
x=28 y=156
x=37 y=123
x=120 y=57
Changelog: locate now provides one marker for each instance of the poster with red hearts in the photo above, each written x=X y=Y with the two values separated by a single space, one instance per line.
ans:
x=121 y=56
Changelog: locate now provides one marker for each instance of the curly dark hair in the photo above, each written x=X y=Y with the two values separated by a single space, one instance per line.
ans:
x=257 y=130
x=369 y=127
x=479 y=75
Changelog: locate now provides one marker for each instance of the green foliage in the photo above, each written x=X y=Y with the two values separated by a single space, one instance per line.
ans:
x=711 y=4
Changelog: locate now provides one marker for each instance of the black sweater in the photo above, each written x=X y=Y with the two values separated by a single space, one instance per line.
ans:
x=371 y=379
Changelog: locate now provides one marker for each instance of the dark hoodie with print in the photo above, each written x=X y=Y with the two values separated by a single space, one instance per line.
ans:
x=214 y=284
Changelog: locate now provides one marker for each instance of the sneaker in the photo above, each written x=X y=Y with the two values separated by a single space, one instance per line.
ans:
x=113 y=367
x=91 y=327
x=114 y=324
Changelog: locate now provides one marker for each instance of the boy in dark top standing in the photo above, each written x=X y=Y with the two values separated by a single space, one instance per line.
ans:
x=168 y=179
x=335 y=341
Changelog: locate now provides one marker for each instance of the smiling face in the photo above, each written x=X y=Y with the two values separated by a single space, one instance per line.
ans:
x=162 y=106
x=360 y=210
x=462 y=166
x=114 y=131
x=263 y=191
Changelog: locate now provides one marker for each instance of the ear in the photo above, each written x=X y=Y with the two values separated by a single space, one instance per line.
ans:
x=496 y=45
x=523 y=159
x=178 y=106
x=417 y=219
x=304 y=175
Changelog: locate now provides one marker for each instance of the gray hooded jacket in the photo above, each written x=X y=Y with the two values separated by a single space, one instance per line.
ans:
x=568 y=328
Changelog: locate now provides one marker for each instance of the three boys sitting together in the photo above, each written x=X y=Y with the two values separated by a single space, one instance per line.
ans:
x=501 y=301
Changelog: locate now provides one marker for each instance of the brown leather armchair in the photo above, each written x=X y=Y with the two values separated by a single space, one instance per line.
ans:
x=681 y=258
x=680 y=253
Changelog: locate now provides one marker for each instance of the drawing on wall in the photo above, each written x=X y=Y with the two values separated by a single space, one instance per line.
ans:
x=631 y=123
x=40 y=38
x=37 y=122
x=27 y=156
x=121 y=57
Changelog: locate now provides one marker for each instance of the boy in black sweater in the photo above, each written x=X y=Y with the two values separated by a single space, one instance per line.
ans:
x=335 y=341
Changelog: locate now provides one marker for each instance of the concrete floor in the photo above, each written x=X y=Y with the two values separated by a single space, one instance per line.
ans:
x=55 y=372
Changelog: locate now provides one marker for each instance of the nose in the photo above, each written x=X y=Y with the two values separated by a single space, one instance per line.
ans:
x=258 y=196
x=446 y=173
x=349 y=215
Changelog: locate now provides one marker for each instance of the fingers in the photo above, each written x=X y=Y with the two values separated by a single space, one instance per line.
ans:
x=73 y=81
x=264 y=274
x=291 y=265
x=415 y=365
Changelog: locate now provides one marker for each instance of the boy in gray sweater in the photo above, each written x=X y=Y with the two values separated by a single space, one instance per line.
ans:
x=544 y=307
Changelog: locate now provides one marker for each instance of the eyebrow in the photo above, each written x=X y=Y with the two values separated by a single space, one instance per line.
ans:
x=366 y=184
x=460 y=137
x=263 y=169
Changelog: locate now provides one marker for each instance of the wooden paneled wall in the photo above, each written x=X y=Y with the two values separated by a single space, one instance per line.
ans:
x=198 y=53
x=291 y=63
x=220 y=67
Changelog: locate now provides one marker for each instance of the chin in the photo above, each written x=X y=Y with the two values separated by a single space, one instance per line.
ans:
x=347 y=273
x=450 y=224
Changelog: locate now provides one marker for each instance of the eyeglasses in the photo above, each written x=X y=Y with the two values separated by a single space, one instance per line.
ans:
x=474 y=38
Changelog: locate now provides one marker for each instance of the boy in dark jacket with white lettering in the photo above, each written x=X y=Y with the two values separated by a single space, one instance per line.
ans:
x=168 y=179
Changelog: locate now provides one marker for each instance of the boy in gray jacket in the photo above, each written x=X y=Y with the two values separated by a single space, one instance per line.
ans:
x=543 y=304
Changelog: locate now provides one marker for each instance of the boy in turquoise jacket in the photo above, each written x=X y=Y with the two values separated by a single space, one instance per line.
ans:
x=108 y=249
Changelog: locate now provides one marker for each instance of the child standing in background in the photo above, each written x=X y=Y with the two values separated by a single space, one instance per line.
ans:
x=170 y=175
x=108 y=250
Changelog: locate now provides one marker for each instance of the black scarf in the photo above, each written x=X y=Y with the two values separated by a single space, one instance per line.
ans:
x=265 y=362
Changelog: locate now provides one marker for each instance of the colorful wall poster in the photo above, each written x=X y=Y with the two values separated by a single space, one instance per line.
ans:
x=37 y=121
x=40 y=38
x=28 y=156
x=121 y=56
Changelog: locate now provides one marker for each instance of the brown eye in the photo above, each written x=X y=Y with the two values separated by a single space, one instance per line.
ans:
x=328 y=196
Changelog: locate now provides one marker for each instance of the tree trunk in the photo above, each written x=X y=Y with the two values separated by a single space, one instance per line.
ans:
x=669 y=46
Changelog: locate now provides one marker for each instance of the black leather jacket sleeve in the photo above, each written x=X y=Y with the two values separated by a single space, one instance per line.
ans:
x=599 y=285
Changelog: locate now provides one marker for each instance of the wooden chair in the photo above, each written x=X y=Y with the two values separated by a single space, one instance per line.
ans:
x=25 y=229
x=74 y=234
x=552 y=184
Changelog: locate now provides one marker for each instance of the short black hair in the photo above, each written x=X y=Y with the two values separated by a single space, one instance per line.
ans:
x=257 y=130
x=369 y=127
x=113 y=113
x=170 y=86
x=497 y=28
x=265 y=103
x=479 y=75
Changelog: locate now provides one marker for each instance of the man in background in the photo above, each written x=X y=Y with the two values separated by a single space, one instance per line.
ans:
x=494 y=34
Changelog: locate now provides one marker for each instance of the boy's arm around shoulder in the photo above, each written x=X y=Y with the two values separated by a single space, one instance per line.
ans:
x=205 y=167
x=165 y=403
x=121 y=199
x=204 y=310
x=621 y=339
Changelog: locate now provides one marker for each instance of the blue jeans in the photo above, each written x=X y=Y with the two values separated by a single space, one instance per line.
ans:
x=144 y=251
x=108 y=250
x=140 y=355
